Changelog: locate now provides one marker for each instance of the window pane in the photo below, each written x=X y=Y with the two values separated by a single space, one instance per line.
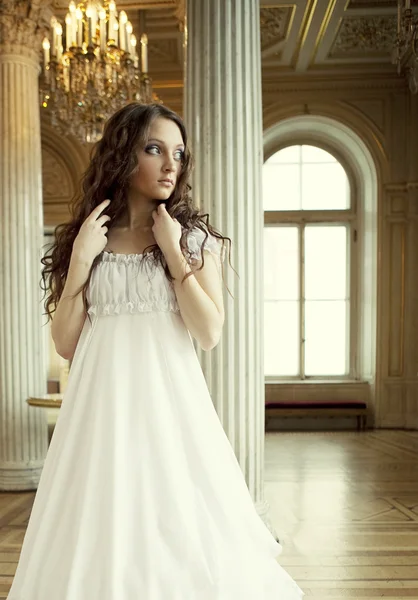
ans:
x=291 y=154
x=281 y=338
x=326 y=262
x=281 y=263
x=316 y=155
x=324 y=187
x=325 y=337
x=281 y=292
x=304 y=178
x=281 y=187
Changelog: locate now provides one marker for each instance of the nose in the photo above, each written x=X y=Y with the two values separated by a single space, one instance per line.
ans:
x=170 y=164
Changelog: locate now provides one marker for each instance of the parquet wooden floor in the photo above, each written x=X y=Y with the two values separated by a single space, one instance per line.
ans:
x=345 y=506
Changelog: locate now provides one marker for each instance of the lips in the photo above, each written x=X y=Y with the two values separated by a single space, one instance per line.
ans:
x=167 y=181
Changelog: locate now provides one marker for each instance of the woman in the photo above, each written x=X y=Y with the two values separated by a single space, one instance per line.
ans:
x=141 y=495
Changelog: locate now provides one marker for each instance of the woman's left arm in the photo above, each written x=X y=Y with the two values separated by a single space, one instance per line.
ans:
x=199 y=297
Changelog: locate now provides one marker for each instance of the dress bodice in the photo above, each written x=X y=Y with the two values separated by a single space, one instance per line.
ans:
x=134 y=283
x=129 y=283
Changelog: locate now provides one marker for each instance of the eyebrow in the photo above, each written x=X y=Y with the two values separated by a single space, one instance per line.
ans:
x=163 y=143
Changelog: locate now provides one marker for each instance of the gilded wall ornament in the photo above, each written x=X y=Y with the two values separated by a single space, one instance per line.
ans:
x=373 y=35
x=274 y=23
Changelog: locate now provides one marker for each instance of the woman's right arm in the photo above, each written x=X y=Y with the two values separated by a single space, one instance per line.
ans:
x=70 y=313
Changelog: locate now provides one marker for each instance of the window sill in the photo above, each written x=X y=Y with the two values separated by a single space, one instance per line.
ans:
x=316 y=382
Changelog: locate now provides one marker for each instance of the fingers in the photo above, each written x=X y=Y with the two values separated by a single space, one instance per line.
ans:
x=95 y=213
x=103 y=219
x=161 y=208
x=105 y=229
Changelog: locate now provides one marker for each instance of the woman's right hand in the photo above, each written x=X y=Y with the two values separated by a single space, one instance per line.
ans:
x=91 y=239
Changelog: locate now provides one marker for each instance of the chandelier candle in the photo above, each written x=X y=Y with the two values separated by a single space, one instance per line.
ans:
x=102 y=17
x=129 y=30
x=112 y=20
x=46 y=46
x=79 y=26
x=144 y=53
x=123 y=19
x=68 y=31
x=134 y=55
x=91 y=15
x=73 y=31
x=58 y=47
x=54 y=35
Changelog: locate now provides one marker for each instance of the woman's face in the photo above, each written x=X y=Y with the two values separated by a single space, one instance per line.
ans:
x=159 y=162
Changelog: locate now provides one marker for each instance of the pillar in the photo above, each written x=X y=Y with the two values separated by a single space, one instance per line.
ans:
x=23 y=437
x=223 y=113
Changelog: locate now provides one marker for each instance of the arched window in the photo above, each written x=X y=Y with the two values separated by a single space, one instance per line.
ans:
x=310 y=264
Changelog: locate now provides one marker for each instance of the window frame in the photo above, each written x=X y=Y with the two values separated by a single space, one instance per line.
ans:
x=300 y=218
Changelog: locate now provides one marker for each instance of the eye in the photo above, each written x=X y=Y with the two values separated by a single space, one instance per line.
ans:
x=179 y=155
x=152 y=149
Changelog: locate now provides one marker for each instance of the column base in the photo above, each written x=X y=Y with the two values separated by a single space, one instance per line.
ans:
x=263 y=509
x=20 y=477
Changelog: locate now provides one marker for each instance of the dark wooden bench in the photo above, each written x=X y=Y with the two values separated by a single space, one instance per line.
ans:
x=339 y=408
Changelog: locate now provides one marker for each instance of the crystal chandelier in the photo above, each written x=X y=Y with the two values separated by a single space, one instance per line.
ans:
x=97 y=73
x=405 y=53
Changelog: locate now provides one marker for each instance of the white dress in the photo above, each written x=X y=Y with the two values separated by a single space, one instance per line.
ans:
x=141 y=496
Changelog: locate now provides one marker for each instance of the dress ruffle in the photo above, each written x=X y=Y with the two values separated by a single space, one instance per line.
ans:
x=195 y=239
x=132 y=308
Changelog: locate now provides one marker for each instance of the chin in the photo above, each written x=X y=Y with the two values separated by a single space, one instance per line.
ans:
x=161 y=197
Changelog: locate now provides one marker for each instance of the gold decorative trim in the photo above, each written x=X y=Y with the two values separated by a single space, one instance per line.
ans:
x=322 y=29
x=291 y=18
x=304 y=29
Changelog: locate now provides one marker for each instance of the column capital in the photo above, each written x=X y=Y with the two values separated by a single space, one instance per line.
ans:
x=23 y=25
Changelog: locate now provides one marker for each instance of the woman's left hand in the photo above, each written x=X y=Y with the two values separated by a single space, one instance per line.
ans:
x=167 y=231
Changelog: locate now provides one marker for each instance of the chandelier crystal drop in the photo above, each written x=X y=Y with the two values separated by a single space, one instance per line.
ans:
x=91 y=68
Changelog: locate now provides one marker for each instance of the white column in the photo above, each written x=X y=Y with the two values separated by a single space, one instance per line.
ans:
x=223 y=113
x=23 y=437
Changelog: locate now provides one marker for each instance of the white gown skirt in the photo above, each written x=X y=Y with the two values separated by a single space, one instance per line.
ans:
x=141 y=496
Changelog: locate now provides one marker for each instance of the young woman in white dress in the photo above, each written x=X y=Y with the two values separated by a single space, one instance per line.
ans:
x=141 y=495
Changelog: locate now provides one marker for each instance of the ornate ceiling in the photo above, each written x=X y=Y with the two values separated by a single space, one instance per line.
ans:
x=299 y=37
x=328 y=35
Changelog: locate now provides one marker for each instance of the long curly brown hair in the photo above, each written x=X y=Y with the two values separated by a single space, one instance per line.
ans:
x=113 y=160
